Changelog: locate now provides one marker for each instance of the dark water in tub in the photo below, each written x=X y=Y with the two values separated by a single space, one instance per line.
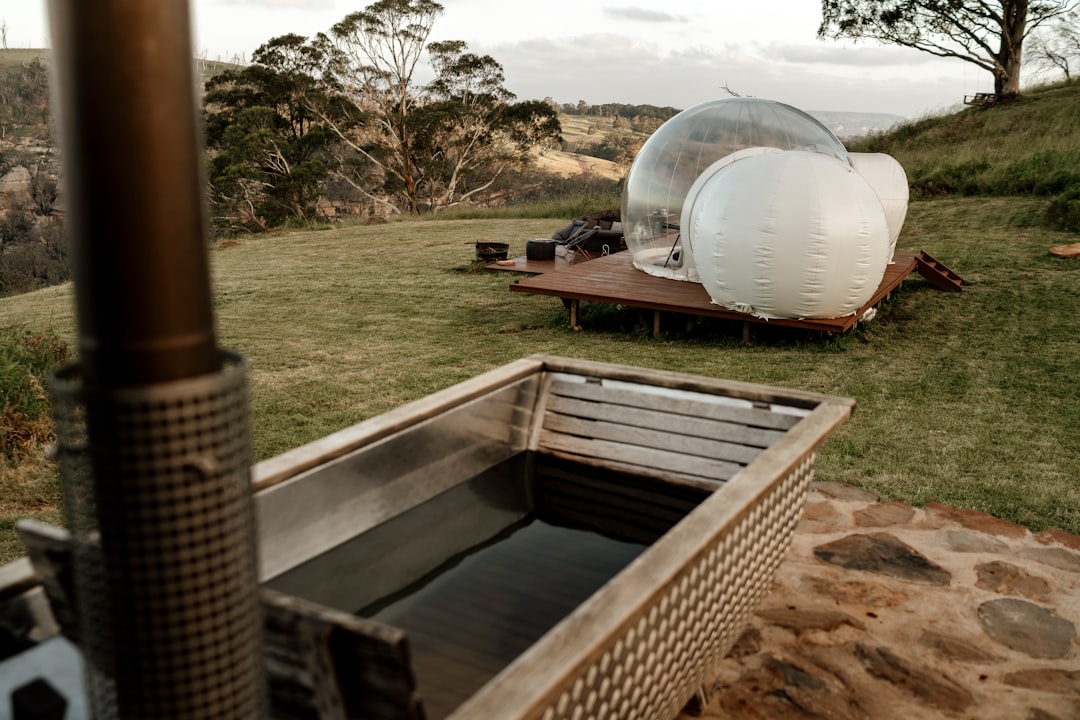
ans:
x=469 y=620
x=478 y=574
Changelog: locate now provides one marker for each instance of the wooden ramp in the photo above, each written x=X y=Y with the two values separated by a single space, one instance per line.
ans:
x=614 y=280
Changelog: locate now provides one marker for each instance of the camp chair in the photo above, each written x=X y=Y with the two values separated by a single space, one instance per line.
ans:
x=576 y=242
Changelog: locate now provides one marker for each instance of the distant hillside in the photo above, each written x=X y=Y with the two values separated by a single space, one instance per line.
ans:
x=21 y=56
x=581 y=134
x=850 y=125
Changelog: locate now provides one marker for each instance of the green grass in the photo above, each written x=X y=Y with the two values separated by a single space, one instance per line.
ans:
x=1030 y=146
x=963 y=398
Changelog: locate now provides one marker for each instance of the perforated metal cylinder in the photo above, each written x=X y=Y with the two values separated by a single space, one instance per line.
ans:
x=165 y=559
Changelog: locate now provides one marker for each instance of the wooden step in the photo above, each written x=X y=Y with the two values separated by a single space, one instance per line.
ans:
x=939 y=276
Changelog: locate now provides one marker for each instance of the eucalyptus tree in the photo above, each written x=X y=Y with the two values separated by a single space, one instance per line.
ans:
x=269 y=152
x=1059 y=46
x=376 y=53
x=424 y=146
x=987 y=33
x=471 y=131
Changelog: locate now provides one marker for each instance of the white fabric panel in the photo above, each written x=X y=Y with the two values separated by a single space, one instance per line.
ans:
x=890 y=182
x=789 y=234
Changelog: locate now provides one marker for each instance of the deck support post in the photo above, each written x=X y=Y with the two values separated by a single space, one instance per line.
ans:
x=656 y=323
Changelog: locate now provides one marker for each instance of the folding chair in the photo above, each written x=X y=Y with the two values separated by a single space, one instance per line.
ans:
x=576 y=242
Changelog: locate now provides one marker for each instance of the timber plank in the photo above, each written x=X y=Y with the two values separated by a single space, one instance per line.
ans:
x=613 y=526
x=736 y=433
x=642 y=457
x=663 y=381
x=751 y=416
x=677 y=479
x=644 y=437
x=599 y=500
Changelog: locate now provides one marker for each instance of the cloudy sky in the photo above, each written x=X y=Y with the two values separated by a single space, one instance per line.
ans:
x=673 y=53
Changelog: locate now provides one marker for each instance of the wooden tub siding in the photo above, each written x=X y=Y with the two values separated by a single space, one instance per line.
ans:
x=643 y=431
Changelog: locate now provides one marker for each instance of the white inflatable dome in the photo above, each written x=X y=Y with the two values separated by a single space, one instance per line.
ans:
x=890 y=182
x=787 y=235
x=684 y=147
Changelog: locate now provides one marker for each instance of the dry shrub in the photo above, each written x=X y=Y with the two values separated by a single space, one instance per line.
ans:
x=30 y=487
x=25 y=359
x=22 y=435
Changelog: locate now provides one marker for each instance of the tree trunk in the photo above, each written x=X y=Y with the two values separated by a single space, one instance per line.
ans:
x=1010 y=52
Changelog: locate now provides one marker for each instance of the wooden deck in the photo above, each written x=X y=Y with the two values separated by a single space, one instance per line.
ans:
x=531 y=267
x=614 y=280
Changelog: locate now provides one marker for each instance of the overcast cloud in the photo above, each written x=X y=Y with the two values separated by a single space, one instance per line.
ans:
x=677 y=55
x=642 y=15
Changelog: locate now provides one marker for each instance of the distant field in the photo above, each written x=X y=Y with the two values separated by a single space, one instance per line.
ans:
x=578 y=130
x=20 y=56
x=567 y=164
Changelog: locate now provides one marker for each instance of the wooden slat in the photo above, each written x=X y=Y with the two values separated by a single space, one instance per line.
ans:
x=617 y=453
x=732 y=432
x=612 y=526
x=707 y=485
x=349 y=667
x=750 y=416
x=631 y=524
x=523 y=264
x=631 y=507
x=615 y=280
x=939 y=276
x=645 y=438
x=760 y=395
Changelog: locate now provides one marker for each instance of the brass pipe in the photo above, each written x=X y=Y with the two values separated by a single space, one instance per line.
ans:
x=134 y=181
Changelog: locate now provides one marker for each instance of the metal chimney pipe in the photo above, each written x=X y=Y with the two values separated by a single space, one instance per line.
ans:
x=129 y=135
x=152 y=423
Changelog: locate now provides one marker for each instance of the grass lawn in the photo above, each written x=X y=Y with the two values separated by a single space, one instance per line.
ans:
x=963 y=398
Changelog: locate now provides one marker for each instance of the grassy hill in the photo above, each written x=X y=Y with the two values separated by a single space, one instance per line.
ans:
x=577 y=131
x=966 y=399
x=1028 y=147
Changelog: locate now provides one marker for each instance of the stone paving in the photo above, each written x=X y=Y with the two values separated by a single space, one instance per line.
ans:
x=883 y=610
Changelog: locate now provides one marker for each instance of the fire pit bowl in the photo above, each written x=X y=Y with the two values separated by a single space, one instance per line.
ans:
x=492 y=251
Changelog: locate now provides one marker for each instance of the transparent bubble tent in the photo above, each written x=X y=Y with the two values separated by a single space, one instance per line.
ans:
x=764 y=206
